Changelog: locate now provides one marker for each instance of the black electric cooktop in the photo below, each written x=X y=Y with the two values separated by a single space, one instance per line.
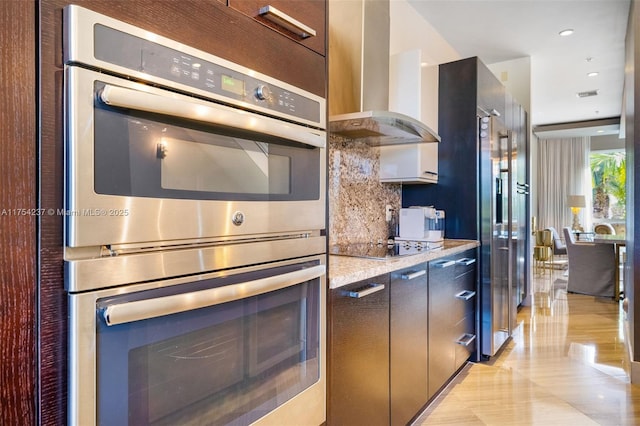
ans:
x=383 y=251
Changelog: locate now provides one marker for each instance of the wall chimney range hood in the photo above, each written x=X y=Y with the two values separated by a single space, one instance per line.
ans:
x=366 y=79
x=379 y=128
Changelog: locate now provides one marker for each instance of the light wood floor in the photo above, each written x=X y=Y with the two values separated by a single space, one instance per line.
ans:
x=567 y=364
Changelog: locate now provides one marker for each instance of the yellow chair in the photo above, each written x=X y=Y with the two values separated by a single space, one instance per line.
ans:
x=543 y=252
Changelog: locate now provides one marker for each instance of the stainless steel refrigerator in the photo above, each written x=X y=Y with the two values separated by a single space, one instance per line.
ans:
x=482 y=186
x=499 y=233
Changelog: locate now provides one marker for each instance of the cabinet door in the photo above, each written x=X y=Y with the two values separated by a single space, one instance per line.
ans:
x=359 y=353
x=295 y=19
x=408 y=342
x=465 y=294
x=441 y=321
x=410 y=163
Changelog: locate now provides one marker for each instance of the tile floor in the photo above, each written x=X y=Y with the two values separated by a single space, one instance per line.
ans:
x=567 y=364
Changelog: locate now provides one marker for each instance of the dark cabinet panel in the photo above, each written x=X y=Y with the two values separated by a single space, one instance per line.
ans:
x=310 y=14
x=409 y=342
x=452 y=319
x=18 y=198
x=359 y=353
x=441 y=319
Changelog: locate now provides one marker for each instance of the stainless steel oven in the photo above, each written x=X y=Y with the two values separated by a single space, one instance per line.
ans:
x=166 y=142
x=195 y=247
x=227 y=348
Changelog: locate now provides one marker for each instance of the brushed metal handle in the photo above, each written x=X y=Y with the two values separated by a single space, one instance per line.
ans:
x=278 y=17
x=444 y=263
x=466 y=261
x=183 y=107
x=466 y=339
x=465 y=295
x=120 y=313
x=412 y=275
x=365 y=291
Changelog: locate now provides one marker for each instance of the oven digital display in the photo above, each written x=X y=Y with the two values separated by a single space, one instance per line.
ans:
x=232 y=85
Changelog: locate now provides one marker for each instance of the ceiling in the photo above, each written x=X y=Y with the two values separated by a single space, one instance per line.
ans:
x=504 y=30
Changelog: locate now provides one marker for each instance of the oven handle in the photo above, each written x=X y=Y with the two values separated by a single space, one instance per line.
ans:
x=211 y=113
x=120 y=313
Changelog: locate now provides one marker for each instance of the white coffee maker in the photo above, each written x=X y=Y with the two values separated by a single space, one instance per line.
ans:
x=419 y=223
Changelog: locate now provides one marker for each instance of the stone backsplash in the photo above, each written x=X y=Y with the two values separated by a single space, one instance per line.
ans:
x=357 y=199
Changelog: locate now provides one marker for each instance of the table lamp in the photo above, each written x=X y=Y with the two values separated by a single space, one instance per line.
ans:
x=576 y=202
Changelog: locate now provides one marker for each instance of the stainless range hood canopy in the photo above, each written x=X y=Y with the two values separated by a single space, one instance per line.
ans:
x=379 y=128
x=359 y=69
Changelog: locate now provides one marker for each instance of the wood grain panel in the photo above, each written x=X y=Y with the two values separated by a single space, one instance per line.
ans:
x=17 y=226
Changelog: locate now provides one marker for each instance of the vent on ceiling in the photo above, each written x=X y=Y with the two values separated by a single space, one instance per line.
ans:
x=587 y=94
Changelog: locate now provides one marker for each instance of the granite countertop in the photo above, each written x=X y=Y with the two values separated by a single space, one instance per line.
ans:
x=345 y=270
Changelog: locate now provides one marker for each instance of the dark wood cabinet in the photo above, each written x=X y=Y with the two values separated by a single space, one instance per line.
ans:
x=408 y=342
x=299 y=16
x=452 y=320
x=396 y=339
x=358 y=391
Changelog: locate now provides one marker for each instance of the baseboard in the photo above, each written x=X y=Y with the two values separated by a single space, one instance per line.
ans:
x=634 y=373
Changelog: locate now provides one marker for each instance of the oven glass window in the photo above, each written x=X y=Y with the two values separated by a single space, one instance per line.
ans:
x=149 y=155
x=229 y=364
x=192 y=166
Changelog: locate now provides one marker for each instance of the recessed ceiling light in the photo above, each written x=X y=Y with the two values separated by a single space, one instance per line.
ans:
x=566 y=32
x=592 y=74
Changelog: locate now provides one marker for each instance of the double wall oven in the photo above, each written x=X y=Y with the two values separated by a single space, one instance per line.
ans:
x=195 y=248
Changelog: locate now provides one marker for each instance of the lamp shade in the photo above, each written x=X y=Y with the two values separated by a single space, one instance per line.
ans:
x=576 y=201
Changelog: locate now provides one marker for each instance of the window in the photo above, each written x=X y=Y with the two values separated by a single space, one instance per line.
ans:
x=608 y=178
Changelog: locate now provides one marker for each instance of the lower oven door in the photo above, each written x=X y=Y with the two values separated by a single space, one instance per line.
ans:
x=222 y=348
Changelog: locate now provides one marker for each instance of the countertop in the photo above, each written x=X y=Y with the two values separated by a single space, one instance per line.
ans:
x=345 y=270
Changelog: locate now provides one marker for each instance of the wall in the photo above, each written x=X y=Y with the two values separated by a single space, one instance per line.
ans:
x=515 y=75
x=410 y=31
x=631 y=103
x=356 y=198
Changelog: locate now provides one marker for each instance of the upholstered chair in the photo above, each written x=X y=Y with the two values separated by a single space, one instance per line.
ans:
x=559 y=247
x=591 y=267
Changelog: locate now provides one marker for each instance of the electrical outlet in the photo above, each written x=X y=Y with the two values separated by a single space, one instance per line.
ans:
x=388 y=210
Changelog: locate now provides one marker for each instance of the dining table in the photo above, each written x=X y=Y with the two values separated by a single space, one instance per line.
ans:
x=618 y=242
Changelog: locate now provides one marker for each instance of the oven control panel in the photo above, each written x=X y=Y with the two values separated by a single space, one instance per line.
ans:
x=137 y=54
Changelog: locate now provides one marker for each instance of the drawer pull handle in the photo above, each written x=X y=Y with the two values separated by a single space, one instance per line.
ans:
x=278 y=17
x=444 y=263
x=465 y=295
x=466 y=261
x=365 y=291
x=466 y=339
x=412 y=275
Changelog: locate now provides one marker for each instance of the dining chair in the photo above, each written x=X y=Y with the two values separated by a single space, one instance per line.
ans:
x=591 y=267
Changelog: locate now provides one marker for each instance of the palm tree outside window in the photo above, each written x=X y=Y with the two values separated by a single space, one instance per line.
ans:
x=608 y=177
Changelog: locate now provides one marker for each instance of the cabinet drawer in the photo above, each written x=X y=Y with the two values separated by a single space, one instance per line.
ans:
x=295 y=19
x=466 y=340
x=465 y=265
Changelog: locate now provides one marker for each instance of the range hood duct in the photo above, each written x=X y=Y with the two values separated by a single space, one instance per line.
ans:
x=373 y=123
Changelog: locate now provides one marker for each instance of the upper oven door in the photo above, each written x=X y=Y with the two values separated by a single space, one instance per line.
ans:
x=146 y=164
